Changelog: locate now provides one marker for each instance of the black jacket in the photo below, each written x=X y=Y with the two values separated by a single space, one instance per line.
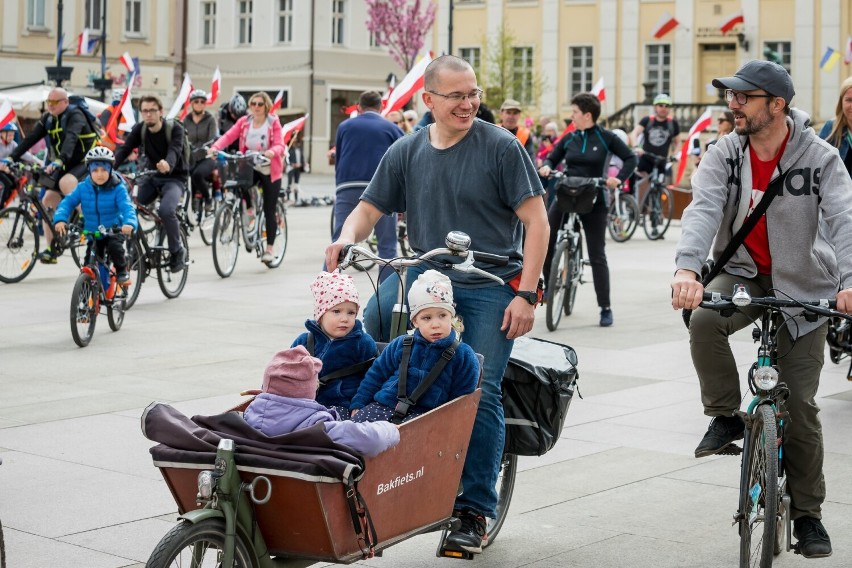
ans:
x=156 y=148
x=69 y=137
x=586 y=153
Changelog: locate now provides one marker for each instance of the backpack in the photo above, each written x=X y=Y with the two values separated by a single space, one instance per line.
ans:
x=170 y=125
x=77 y=102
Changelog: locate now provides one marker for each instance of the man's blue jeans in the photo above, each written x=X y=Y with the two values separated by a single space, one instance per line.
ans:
x=345 y=201
x=481 y=310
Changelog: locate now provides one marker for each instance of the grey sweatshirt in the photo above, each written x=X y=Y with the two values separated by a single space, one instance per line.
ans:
x=809 y=223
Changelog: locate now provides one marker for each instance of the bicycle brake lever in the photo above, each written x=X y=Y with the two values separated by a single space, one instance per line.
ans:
x=467 y=266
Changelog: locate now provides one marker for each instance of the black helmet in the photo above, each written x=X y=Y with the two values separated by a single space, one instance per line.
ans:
x=237 y=105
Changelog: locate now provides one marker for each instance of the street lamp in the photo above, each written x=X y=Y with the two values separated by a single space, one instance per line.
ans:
x=57 y=73
x=103 y=84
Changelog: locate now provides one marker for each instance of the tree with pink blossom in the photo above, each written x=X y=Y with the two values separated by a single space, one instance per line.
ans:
x=401 y=25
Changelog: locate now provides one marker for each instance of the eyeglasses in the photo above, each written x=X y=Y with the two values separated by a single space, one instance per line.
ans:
x=411 y=119
x=148 y=110
x=54 y=103
x=456 y=98
x=721 y=119
x=198 y=101
x=257 y=103
x=742 y=98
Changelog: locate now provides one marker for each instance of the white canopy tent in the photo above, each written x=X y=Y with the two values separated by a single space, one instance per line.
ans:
x=28 y=102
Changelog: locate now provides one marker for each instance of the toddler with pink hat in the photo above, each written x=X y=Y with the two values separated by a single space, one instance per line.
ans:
x=337 y=338
x=286 y=403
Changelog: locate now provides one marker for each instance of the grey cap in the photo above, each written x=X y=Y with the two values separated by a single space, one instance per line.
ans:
x=511 y=104
x=759 y=74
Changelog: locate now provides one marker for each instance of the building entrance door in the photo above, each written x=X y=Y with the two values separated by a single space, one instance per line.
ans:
x=717 y=60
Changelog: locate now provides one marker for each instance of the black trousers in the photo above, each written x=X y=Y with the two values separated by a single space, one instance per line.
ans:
x=271 y=189
x=201 y=173
x=114 y=245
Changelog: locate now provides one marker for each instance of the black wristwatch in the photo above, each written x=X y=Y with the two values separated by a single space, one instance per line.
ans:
x=530 y=296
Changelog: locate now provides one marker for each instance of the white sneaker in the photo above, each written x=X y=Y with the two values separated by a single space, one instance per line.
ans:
x=267 y=257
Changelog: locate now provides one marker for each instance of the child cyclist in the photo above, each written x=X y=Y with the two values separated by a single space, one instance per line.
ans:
x=434 y=353
x=105 y=202
x=337 y=338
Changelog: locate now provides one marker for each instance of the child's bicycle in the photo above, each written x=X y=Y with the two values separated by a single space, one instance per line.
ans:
x=95 y=287
x=763 y=512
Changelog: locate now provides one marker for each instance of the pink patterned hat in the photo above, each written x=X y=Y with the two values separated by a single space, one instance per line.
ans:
x=330 y=289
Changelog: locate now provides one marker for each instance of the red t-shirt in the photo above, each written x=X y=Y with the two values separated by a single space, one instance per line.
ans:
x=757 y=241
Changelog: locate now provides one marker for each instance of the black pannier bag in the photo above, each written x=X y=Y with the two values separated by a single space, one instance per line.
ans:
x=576 y=194
x=538 y=386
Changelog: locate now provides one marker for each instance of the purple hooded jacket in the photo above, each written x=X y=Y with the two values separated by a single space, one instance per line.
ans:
x=275 y=415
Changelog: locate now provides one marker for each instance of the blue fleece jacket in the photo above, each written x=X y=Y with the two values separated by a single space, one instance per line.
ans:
x=353 y=348
x=107 y=205
x=459 y=377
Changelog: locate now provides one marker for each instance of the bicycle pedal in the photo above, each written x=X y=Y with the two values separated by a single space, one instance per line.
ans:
x=730 y=450
x=447 y=552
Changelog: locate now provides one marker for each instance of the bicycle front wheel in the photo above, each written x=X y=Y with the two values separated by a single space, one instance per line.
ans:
x=18 y=244
x=115 y=312
x=575 y=273
x=198 y=544
x=505 y=487
x=657 y=209
x=172 y=283
x=759 y=490
x=279 y=247
x=558 y=283
x=84 y=309
x=623 y=218
x=226 y=240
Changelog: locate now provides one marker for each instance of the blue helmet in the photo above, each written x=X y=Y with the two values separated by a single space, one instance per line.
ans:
x=9 y=127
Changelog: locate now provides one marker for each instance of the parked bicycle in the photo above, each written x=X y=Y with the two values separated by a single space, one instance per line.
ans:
x=622 y=215
x=20 y=231
x=96 y=287
x=763 y=512
x=657 y=205
x=147 y=250
x=232 y=220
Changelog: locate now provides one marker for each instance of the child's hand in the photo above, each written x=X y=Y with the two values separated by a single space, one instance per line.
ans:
x=60 y=228
x=127 y=229
x=354 y=412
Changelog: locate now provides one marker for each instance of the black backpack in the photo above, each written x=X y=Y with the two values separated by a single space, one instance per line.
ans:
x=77 y=102
x=170 y=125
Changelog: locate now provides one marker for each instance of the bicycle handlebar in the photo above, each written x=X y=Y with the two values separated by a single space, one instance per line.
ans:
x=457 y=246
x=599 y=181
x=741 y=298
x=258 y=157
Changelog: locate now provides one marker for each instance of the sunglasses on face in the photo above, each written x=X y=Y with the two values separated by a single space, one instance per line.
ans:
x=257 y=103
x=54 y=103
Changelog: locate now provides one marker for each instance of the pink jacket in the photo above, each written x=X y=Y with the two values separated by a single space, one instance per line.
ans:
x=276 y=142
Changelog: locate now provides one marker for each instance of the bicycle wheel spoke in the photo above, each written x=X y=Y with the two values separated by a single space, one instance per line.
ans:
x=18 y=245
x=759 y=498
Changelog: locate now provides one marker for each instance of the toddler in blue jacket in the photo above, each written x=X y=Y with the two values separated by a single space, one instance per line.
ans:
x=431 y=303
x=337 y=338
x=106 y=203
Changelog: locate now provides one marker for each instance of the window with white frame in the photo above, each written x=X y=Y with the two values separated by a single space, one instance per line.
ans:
x=374 y=39
x=338 y=19
x=285 y=21
x=245 y=21
x=472 y=55
x=133 y=12
x=581 y=67
x=522 y=74
x=208 y=23
x=779 y=51
x=35 y=14
x=658 y=66
x=93 y=15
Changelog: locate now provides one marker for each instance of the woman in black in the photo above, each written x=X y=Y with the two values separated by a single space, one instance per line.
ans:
x=586 y=152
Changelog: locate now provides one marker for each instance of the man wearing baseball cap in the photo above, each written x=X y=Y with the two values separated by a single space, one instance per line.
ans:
x=801 y=247
x=510 y=119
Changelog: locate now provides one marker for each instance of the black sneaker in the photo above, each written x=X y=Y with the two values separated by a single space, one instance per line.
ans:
x=46 y=257
x=813 y=540
x=470 y=535
x=722 y=431
x=122 y=277
x=178 y=261
x=606 y=317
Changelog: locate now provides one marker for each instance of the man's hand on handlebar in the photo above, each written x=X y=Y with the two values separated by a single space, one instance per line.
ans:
x=687 y=290
x=544 y=171
x=333 y=253
x=844 y=301
x=163 y=167
x=518 y=318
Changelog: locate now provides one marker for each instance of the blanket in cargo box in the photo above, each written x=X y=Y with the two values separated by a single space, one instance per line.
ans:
x=308 y=454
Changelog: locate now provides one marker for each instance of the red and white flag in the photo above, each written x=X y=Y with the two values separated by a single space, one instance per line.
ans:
x=182 y=99
x=700 y=126
x=7 y=113
x=124 y=111
x=847 y=53
x=276 y=104
x=666 y=24
x=127 y=61
x=214 y=87
x=599 y=91
x=728 y=23
x=409 y=85
x=294 y=125
x=387 y=94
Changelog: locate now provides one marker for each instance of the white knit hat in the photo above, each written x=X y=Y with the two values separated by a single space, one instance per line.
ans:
x=431 y=290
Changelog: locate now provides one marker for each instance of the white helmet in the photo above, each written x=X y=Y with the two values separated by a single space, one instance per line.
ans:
x=198 y=94
x=622 y=135
x=100 y=154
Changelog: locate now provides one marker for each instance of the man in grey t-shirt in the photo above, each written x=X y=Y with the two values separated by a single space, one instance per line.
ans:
x=461 y=173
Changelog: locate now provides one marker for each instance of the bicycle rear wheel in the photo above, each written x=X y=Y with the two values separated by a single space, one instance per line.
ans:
x=623 y=218
x=657 y=209
x=279 y=247
x=18 y=244
x=226 y=239
x=172 y=283
x=135 y=258
x=505 y=487
x=759 y=490
x=205 y=221
x=84 y=309
x=558 y=283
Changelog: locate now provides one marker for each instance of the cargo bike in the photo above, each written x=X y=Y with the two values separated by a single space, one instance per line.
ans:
x=250 y=501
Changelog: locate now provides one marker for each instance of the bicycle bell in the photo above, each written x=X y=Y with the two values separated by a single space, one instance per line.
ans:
x=457 y=241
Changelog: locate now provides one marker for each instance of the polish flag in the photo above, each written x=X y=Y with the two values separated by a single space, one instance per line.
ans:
x=214 y=87
x=123 y=110
x=127 y=61
x=847 y=53
x=731 y=21
x=351 y=110
x=85 y=45
x=599 y=91
x=666 y=24
x=7 y=113
x=409 y=85
x=700 y=126
x=294 y=125
x=183 y=97
x=387 y=94
x=276 y=104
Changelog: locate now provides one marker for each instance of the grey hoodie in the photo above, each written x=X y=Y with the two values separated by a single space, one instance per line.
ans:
x=807 y=222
